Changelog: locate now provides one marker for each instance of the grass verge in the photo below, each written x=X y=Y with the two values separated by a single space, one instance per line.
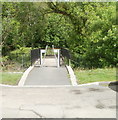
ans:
x=95 y=75
x=10 y=78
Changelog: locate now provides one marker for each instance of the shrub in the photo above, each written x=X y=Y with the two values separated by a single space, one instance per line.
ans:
x=21 y=56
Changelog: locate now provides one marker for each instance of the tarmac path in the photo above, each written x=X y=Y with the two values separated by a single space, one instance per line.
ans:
x=49 y=74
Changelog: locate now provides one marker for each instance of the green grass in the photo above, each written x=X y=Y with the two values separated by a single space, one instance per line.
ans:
x=10 y=78
x=95 y=75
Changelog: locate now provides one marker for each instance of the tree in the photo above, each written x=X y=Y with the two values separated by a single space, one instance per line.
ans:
x=86 y=28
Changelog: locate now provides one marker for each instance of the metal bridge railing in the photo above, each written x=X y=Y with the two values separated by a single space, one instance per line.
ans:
x=66 y=54
x=45 y=55
x=35 y=55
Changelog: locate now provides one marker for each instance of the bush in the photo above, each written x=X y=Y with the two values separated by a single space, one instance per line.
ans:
x=21 y=56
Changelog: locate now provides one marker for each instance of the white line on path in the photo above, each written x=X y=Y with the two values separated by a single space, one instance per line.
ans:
x=23 y=78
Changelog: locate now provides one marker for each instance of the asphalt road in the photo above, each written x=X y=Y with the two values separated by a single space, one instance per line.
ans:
x=91 y=101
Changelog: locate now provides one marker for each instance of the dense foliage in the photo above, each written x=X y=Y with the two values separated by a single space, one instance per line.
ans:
x=87 y=29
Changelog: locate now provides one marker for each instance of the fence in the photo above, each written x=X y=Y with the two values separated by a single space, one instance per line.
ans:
x=35 y=55
x=16 y=61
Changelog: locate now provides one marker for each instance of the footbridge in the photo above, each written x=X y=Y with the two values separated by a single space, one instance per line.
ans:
x=49 y=67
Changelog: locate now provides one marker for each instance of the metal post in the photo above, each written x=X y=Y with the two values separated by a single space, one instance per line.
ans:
x=58 y=58
x=45 y=51
x=41 y=57
x=55 y=55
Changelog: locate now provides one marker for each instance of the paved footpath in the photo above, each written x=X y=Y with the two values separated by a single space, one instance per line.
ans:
x=59 y=102
x=48 y=75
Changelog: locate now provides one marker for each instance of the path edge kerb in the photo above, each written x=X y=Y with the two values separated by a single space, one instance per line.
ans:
x=24 y=76
x=56 y=86
x=72 y=75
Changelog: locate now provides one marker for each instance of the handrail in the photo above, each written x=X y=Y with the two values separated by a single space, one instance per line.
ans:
x=44 y=55
x=54 y=54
